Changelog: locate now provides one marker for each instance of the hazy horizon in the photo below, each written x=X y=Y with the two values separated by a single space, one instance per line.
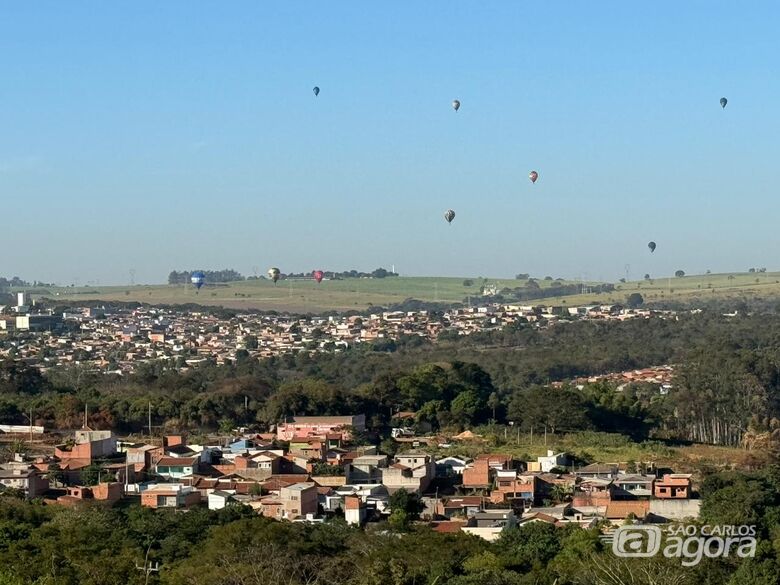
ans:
x=153 y=137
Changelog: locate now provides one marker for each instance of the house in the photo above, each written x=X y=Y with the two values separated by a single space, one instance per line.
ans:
x=633 y=486
x=169 y=495
x=459 y=506
x=103 y=492
x=218 y=499
x=87 y=445
x=176 y=467
x=593 y=493
x=673 y=486
x=24 y=478
x=298 y=500
x=479 y=473
x=367 y=469
x=513 y=488
x=411 y=471
x=450 y=466
x=489 y=525
x=354 y=510
x=303 y=426
x=547 y=463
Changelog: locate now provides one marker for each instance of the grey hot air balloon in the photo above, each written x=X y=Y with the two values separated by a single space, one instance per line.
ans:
x=449 y=215
x=316 y=90
x=273 y=274
x=456 y=105
x=533 y=175
x=651 y=245
x=723 y=102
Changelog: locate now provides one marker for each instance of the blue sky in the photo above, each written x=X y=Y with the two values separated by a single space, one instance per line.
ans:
x=156 y=136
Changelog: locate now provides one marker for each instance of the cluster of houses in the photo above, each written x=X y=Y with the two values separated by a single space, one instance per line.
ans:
x=307 y=470
x=117 y=340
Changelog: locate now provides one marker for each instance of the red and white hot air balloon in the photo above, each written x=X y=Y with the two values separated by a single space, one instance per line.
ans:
x=318 y=275
x=533 y=175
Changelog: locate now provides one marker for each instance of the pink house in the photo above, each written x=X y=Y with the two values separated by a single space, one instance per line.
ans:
x=318 y=426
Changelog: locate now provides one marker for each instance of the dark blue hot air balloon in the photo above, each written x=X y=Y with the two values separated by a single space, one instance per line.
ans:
x=198 y=279
x=316 y=90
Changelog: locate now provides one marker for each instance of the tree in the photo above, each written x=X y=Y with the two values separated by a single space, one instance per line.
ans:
x=635 y=300
x=647 y=277
x=679 y=273
x=468 y=282
x=406 y=502
x=494 y=402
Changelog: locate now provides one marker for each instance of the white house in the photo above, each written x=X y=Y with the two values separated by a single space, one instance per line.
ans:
x=219 y=499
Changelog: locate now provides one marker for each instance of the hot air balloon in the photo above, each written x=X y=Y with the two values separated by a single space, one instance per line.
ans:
x=449 y=215
x=533 y=175
x=316 y=90
x=273 y=274
x=723 y=102
x=198 y=279
x=455 y=105
x=318 y=275
x=651 y=245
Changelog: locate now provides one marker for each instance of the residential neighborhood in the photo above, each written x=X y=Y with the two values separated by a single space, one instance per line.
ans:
x=309 y=469
x=117 y=341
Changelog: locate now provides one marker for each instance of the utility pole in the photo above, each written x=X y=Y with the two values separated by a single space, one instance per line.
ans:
x=147 y=567
x=85 y=415
x=150 y=420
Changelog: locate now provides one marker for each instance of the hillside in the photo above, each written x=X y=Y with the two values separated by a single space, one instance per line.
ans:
x=360 y=294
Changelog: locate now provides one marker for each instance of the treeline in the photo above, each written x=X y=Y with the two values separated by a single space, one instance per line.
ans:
x=6 y=283
x=332 y=275
x=91 y=545
x=532 y=290
x=212 y=276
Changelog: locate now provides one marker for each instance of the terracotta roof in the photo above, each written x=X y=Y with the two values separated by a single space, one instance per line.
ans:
x=177 y=461
x=621 y=510
x=447 y=526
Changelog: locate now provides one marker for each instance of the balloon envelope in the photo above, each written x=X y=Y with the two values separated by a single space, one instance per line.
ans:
x=273 y=274
x=651 y=245
x=198 y=279
x=316 y=90
x=723 y=102
x=449 y=215
x=455 y=105
x=317 y=275
x=533 y=175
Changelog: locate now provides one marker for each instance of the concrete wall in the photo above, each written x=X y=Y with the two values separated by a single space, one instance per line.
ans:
x=675 y=509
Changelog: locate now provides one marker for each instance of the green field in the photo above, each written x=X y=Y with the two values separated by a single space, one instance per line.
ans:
x=693 y=288
x=294 y=295
x=360 y=294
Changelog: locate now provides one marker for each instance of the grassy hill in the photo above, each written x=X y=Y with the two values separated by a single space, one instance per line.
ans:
x=294 y=295
x=361 y=293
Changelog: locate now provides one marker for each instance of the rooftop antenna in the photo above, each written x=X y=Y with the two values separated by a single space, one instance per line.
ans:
x=132 y=276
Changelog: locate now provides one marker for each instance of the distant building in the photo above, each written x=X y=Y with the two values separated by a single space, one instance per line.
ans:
x=673 y=486
x=298 y=500
x=23 y=478
x=169 y=495
x=304 y=426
